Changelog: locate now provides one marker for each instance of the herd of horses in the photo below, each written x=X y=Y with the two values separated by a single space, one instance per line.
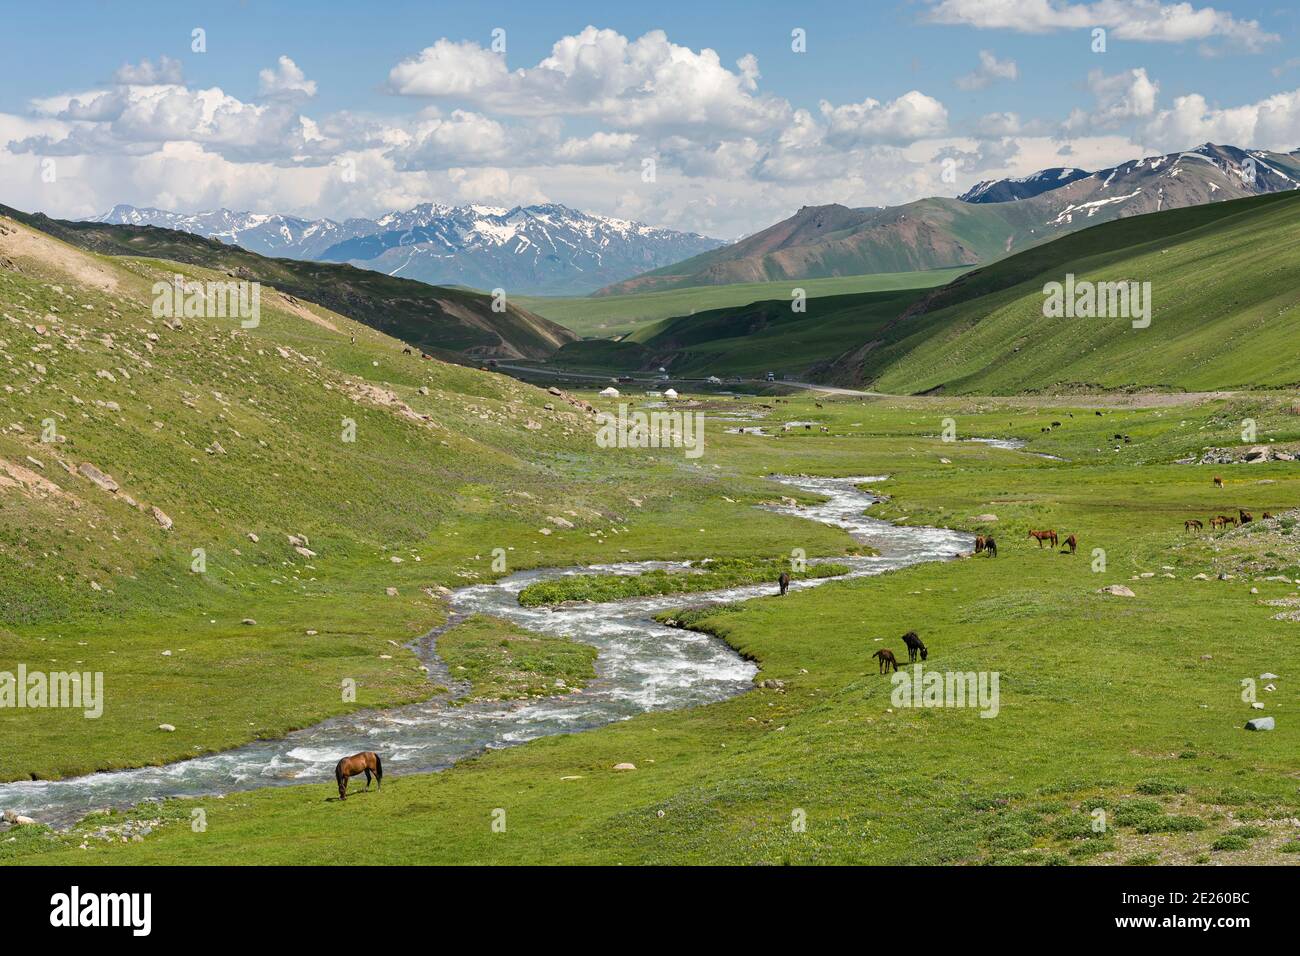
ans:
x=1221 y=522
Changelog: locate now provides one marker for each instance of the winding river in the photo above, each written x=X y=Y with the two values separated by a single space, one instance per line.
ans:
x=642 y=666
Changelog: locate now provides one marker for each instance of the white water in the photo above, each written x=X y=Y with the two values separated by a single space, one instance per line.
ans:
x=642 y=666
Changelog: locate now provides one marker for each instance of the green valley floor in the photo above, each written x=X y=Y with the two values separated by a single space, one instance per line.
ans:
x=1119 y=736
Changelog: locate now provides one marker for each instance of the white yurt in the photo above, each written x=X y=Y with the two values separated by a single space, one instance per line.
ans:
x=610 y=392
x=670 y=393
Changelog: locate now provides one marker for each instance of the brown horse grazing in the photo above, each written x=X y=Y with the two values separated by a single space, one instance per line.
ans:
x=1217 y=521
x=784 y=582
x=1266 y=515
x=1071 y=542
x=990 y=547
x=1246 y=516
x=1044 y=537
x=886 y=658
x=1218 y=482
x=980 y=543
x=1191 y=524
x=914 y=647
x=366 y=762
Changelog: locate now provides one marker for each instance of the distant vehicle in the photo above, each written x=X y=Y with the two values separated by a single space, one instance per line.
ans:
x=771 y=376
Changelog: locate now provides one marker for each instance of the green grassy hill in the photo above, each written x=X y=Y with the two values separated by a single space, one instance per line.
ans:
x=752 y=340
x=1224 y=311
x=611 y=315
x=434 y=318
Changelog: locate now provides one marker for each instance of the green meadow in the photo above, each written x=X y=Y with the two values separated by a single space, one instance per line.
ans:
x=1126 y=710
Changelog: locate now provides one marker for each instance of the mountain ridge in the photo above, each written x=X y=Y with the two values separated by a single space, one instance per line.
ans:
x=939 y=232
x=545 y=248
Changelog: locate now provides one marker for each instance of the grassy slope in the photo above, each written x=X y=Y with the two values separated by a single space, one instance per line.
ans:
x=431 y=317
x=618 y=314
x=754 y=339
x=439 y=493
x=1105 y=701
x=1224 y=310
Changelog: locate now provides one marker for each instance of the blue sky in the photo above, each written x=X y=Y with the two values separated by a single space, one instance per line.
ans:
x=287 y=96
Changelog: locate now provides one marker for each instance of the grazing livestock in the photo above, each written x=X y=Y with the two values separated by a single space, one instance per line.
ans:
x=1246 y=516
x=1218 y=482
x=1266 y=515
x=914 y=647
x=980 y=543
x=366 y=762
x=1191 y=524
x=886 y=658
x=784 y=582
x=990 y=547
x=406 y=350
x=1044 y=537
x=1071 y=542
x=1217 y=521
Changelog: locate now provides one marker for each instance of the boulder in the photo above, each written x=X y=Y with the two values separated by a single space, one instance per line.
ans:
x=559 y=522
x=1118 y=590
x=95 y=476
x=1260 y=723
x=624 y=766
x=1259 y=453
x=161 y=517
x=167 y=727
x=984 y=519
x=248 y=621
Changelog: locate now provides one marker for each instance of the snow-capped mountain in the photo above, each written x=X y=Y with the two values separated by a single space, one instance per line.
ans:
x=1208 y=173
x=1005 y=190
x=543 y=249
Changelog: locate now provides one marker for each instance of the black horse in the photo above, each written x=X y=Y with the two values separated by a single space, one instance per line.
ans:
x=784 y=581
x=914 y=647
